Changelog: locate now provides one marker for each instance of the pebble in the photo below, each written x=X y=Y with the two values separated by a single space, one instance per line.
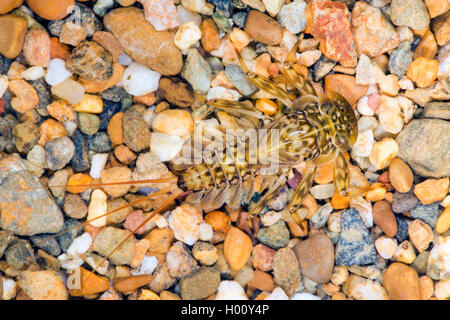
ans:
x=338 y=48
x=200 y=6
x=69 y=90
x=368 y=72
x=402 y=202
x=439 y=110
x=200 y=284
x=179 y=261
x=33 y=73
x=116 y=174
x=109 y=238
x=423 y=71
x=420 y=235
x=59 y=152
x=90 y=61
x=355 y=246
x=176 y=92
x=286 y=270
x=346 y=86
x=43 y=285
x=427 y=213
x=440 y=27
x=316 y=258
x=240 y=80
x=97 y=208
x=443 y=222
x=373 y=33
x=74 y=206
x=408 y=13
x=360 y=288
x=230 y=290
x=257 y=26
x=72 y=33
x=428 y=163
x=163 y=123
x=400 y=175
x=25 y=96
x=386 y=247
x=292 y=16
x=262 y=257
x=383 y=152
x=364 y=208
x=442 y=289
x=26 y=135
x=432 y=190
x=237 y=248
x=9 y=5
x=197 y=71
x=52 y=9
x=142 y=42
x=384 y=218
x=205 y=253
x=324 y=191
x=66 y=239
x=185 y=221
x=275 y=236
x=13 y=29
x=40 y=206
x=405 y=253
x=187 y=35
x=80 y=245
x=401 y=282
x=131 y=283
x=146 y=267
x=19 y=254
x=136 y=134
x=259 y=280
x=364 y=143
x=138 y=80
x=438 y=265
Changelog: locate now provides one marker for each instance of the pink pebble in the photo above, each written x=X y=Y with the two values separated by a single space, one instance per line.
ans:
x=134 y=220
x=374 y=101
x=162 y=14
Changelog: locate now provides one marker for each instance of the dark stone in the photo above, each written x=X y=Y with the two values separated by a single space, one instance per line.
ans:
x=355 y=245
x=44 y=96
x=55 y=27
x=402 y=229
x=80 y=159
x=5 y=133
x=221 y=4
x=66 y=239
x=19 y=254
x=110 y=108
x=114 y=94
x=100 y=143
x=86 y=17
x=402 y=202
x=322 y=67
x=239 y=18
x=6 y=238
x=428 y=213
x=47 y=243
x=222 y=21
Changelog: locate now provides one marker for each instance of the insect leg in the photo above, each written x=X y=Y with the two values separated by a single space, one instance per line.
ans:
x=340 y=174
x=303 y=188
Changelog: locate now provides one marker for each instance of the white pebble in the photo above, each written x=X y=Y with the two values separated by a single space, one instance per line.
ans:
x=406 y=84
x=160 y=221
x=147 y=266
x=187 y=35
x=205 y=232
x=304 y=296
x=98 y=164
x=277 y=294
x=186 y=15
x=223 y=93
x=230 y=290
x=97 y=207
x=33 y=73
x=71 y=127
x=36 y=156
x=56 y=72
x=363 y=107
x=442 y=289
x=124 y=59
x=292 y=16
x=386 y=247
x=69 y=262
x=324 y=191
x=270 y=218
x=80 y=245
x=3 y=84
x=9 y=289
x=139 y=80
x=165 y=146
x=364 y=143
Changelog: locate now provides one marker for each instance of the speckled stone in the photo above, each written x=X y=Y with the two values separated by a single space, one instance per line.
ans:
x=199 y=284
x=100 y=143
x=19 y=254
x=80 y=159
x=355 y=245
x=427 y=213
x=275 y=236
x=110 y=108
x=66 y=239
x=47 y=243
x=400 y=58
x=44 y=96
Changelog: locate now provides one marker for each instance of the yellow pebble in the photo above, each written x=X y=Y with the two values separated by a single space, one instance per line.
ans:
x=377 y=192
x=443 y=222
x=267 y=106
x=90 y=103
x=148 y=295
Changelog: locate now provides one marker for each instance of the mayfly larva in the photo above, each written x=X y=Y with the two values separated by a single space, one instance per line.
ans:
x=307 y=128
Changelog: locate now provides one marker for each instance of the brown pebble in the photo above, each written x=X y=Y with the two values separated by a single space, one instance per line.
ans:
x=401 y=282
x=13 y=29
x=132 y=283
x=384 y=217
x=263 y=28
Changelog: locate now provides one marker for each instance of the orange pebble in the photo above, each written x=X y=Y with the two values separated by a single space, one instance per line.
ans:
x=50 y=129
x=219 y=221
x=77 y=180
x=58 y=50
x=339 y=202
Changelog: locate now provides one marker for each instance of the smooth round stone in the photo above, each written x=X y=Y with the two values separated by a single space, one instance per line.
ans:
x=400 y=175
x=139 y=80
x=316 y=257
x=237 y=248
x=401 y=282
x=164 y=122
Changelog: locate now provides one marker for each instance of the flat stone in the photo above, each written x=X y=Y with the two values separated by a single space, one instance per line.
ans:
x=142 y=43
x=199 y=284
x=438 y=110
x=286 y=270
x=426 y=135
x=427 y=213
x=25 y=212
x=275 y=236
